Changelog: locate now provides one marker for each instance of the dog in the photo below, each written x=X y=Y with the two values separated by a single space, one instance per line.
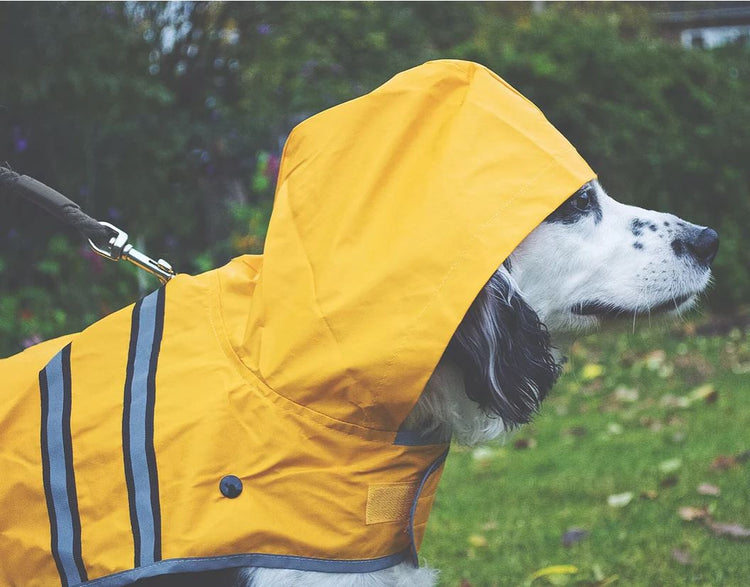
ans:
x=306 y=397
x=592 y=259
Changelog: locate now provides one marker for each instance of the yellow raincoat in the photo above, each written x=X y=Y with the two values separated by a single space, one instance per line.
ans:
x=252 y=415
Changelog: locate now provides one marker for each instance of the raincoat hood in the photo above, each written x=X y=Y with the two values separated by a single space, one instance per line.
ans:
x=252 y=415
x=391 y=213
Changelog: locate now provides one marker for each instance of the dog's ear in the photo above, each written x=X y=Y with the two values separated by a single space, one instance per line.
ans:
x=504 y=352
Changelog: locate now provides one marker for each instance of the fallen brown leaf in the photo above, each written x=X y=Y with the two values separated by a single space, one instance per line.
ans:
x=573 y=536
x=625 y=394
x=681 y=556
x=620 y=500
x=724 y=463
x=601 y=583
x=708 y=489
x=669 y=481
x=706 y=392
x=524 y=443
x=690 y=513
x=730 y=530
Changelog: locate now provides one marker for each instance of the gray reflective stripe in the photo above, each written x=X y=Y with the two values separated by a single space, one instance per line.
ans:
x=436 y=464
x=140 y=466
x=272 y=561
x=417 y=438
x=57 y=461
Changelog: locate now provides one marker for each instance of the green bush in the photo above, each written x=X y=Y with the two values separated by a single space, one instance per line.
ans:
x=168 y=120
x=664 y=127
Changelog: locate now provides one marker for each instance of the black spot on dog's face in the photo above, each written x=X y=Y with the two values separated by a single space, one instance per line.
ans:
x=582 y=204
x=636 y=226
x=637 y=245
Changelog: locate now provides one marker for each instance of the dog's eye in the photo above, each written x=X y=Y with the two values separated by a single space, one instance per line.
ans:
x=581 y=201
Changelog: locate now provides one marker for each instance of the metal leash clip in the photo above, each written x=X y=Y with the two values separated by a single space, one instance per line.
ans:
x=118 y=248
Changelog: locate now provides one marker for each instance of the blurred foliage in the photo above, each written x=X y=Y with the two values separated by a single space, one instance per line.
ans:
x=168 y=120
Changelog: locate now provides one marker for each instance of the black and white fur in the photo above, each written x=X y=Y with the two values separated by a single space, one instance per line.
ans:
x=593 y=258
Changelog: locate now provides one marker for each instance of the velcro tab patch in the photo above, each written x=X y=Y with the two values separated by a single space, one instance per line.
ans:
x=390 y=502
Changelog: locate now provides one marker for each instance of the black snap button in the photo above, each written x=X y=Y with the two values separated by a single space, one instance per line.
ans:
x=230 y=486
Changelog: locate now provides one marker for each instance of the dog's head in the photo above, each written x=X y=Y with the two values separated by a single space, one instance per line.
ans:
x=593 y=258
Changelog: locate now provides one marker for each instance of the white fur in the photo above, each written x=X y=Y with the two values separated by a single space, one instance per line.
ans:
x=402 y=575
x=558 y=265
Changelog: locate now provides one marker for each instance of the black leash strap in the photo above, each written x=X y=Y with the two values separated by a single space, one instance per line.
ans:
x=54 y=203
x=107 y=240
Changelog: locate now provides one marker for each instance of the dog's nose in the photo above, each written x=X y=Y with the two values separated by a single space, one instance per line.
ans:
x=704 y=246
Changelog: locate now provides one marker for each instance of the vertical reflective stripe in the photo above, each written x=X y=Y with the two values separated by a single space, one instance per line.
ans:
x=57 y=469
x=138 y=427
x=410 y=530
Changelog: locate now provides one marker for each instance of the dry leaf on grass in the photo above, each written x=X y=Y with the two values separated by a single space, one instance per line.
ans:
x=726 y=462
x=524 y=443
x=573 y=536
x=620 y=500
x=708 y=489
x=670 y=466
x=707 y=393
x=681 y=556
x=730 y=530
x=552 y=571
x=690 y=513
x=735 y=531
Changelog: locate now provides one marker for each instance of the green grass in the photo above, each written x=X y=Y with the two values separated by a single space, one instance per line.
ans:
x=621 y=419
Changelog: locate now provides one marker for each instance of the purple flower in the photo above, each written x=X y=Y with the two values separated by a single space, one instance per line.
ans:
x=272 y=168
x=31 y=340
x=264 y=29
x=20 y=142
x=96 y=261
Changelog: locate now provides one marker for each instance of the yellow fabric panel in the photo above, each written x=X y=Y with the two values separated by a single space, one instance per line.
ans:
x=24 y=525
x=98 y=362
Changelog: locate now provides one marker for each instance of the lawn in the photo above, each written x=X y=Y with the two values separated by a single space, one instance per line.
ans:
x=637 y=472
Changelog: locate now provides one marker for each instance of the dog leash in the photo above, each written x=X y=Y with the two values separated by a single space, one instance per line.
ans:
x=112 y=242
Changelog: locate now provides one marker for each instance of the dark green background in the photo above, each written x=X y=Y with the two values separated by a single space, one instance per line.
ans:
x=178 y=142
